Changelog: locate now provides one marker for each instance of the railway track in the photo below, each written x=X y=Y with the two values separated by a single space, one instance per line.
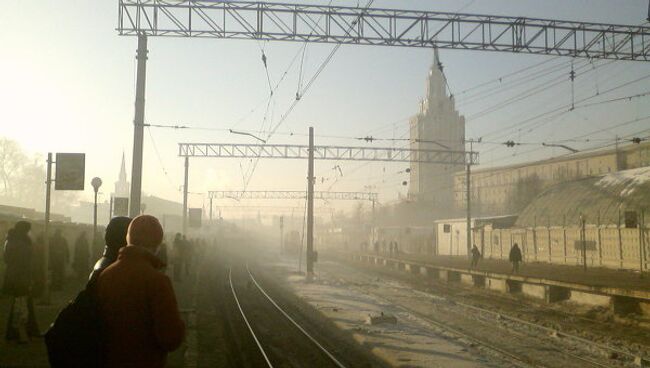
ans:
x=265 y=320
x=591 y=354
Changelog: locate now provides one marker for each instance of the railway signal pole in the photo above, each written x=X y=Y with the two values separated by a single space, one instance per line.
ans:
x=310 y=207
x=138 y=126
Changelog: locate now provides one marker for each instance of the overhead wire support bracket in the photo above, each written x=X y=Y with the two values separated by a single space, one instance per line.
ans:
x=341 y=153
x=381 y=27
x=291 y=194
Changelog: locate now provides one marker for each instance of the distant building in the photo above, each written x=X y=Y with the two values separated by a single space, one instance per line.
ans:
x=437 y=126
x=495 y=189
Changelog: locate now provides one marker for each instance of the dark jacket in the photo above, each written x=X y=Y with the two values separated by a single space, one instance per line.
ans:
x=109 y=256
x=515 y=254
x=18 y=258
x=59 y=252
x=139 y=311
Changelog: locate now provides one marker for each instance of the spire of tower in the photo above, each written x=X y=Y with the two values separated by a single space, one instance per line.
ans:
x=123 y=170
x=436 y=58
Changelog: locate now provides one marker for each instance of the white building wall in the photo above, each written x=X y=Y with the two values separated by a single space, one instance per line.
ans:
x=454 y=242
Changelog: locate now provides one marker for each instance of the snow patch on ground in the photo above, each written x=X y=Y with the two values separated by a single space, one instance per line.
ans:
x=410 y=343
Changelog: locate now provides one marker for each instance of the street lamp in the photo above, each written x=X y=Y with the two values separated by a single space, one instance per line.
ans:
x=96 y=183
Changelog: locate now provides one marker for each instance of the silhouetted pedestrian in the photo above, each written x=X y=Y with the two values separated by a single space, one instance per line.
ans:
x=17 y=283
x=162 y=255
x=178 y=256
x=476 y=255
x=59 y=257
x=81 y=259
x=515 y=258
x=38 y=266
x=188 y=252
x=115 y=238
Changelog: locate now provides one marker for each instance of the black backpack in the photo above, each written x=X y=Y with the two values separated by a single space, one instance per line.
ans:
x=76 y=338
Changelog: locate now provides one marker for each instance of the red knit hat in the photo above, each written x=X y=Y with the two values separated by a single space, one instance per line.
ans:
x=145 y=231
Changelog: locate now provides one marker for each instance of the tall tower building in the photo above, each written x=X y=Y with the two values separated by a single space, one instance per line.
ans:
x=437 y=126
x=122 y=186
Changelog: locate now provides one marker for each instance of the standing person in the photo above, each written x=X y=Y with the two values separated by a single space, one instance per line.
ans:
x=38 y=264
x=515 y=257
x=59 y=256
x=162 y=255
x=81 y=259
x=476 y=255
x=115 y=239
x=187 y=255
x=137 y=302
x=178 y=257
x=17 y=280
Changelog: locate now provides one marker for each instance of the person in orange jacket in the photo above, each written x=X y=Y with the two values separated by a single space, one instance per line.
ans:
x=137 y=302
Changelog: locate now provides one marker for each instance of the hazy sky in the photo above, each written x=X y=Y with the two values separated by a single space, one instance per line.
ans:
x=67 y=85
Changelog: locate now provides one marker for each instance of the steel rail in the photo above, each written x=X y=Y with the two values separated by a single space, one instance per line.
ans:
x=250 y=328
x=304 y=332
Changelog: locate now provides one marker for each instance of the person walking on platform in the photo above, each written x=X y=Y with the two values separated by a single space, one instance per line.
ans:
x=178 y=256
x=59 y=257
x=115 y=239
x=17 y=283
x=137 y=303
x=188 y=252
x=38 y=264
x=81 y=259
x=476 y=255
x=515 y=257
x=162 y=255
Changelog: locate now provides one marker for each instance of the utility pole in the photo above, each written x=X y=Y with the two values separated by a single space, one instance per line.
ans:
x=281 y=234
x=46 y=230
x=185 y=190
x=310 y=207
x=96 y=183
x=583 y=242
x=469 y=200
x=210 y=209
x=138 y=127
x=641 y=221
x=110 y=209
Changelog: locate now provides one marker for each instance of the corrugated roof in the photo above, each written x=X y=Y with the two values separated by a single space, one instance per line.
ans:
x=599 y=199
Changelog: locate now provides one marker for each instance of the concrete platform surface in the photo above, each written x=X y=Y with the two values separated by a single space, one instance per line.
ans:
x=593 y=276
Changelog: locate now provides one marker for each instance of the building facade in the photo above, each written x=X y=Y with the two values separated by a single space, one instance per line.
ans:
x=437 y=126
x=494 y=189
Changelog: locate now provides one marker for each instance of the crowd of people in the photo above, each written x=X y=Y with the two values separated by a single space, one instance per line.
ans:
x=135 y=298
x=390 y=248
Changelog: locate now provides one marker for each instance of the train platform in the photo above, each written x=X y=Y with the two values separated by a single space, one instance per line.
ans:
x=624 y=292
x=593 y=276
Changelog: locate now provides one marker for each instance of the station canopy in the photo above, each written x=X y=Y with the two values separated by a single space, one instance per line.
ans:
x=601 y=200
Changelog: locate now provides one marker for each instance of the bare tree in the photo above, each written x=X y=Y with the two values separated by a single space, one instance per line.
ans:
x=23 y=180
x=11 y=160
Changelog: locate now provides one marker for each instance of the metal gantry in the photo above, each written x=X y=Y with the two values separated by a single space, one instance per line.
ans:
x=385 y=27
x=292 y=194
x=339 y=153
